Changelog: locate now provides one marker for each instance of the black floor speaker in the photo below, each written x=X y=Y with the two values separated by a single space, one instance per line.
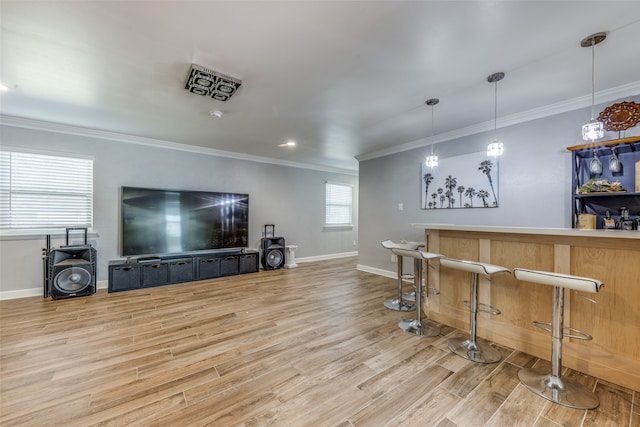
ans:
x=272 y=253
x=72 y=272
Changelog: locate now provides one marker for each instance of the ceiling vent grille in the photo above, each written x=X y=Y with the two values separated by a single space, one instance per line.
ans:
x=205 y=82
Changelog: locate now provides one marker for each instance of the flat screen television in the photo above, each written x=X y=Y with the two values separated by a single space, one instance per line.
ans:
x=160 y=222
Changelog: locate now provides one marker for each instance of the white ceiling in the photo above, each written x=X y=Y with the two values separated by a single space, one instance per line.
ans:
x=342 y=78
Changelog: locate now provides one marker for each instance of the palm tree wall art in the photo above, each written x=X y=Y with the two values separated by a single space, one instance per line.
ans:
x=473 y=176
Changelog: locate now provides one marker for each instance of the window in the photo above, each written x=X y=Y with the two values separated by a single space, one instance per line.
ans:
x=40 y=191
x=339 y=204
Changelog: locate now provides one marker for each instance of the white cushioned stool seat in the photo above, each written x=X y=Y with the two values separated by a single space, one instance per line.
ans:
x=577 y=283
x=473 y=266
x=388 y=244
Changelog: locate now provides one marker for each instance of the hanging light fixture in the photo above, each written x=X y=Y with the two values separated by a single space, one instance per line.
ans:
x=594 y=129
x=495 y=148
x=432 y=160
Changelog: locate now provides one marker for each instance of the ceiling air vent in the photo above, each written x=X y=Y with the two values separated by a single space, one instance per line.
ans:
x=205 y=82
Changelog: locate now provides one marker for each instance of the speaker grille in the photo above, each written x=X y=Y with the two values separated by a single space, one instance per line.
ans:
x=274 y=258
x=72 y=280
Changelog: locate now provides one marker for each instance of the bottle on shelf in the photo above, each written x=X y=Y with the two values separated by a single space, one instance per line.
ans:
x=625 y=222
x=608 y=223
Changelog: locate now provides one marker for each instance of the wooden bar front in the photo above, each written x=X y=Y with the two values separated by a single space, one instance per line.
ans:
x=614 y=321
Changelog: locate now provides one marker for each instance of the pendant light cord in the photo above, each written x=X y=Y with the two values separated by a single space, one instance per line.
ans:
x=432 y=108
x=495 y=113
x=593 y=79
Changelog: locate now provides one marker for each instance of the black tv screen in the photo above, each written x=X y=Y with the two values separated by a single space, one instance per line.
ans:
x=157 y=222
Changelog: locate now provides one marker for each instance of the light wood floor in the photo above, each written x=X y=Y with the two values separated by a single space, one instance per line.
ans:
x=312 y=346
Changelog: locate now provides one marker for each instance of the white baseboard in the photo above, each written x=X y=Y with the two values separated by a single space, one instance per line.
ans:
x=378 y=271
x=328 y=256
x=21 y=293
x=37 y=292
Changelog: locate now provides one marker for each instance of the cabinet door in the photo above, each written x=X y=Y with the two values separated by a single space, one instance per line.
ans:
x=181 y=271
x=229 y=265
x=208 y=268
x=155 y=274
x=123 y=278
x=248 y=263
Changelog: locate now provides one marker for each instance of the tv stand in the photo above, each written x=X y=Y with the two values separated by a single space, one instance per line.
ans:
x=125 y=275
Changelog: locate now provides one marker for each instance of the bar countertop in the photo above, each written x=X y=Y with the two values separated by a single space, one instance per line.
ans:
x=569 y=232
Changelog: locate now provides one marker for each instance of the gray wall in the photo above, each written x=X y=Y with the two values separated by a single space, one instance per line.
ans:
x=535 y=184
x=291 y=198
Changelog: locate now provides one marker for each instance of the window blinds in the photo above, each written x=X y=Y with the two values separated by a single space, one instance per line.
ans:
x=339 y=201
x=42 y=191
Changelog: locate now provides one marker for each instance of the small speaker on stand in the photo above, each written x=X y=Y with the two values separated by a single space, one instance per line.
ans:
x=273 y=256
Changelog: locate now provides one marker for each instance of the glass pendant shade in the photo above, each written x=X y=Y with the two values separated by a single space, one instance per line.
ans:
x=432 y=161
x=495 y=149
x=592 y=130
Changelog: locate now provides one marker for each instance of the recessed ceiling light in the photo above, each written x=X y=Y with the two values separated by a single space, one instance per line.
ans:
x=3 y=87
x=288 y=144
x=216 y=113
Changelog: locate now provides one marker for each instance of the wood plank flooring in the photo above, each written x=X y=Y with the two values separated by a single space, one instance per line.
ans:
x=311 y=346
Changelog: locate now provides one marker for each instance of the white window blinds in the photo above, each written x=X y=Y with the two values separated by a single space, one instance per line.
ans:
x=39 y=191
x=339 y=204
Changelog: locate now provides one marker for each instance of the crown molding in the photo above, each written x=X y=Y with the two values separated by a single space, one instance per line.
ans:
x=624 y=91
x=24 y=123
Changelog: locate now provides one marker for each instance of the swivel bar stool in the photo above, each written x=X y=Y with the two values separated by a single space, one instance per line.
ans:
x=418 y=326
x=399 y=303
x=550 y=385
x=472 y=348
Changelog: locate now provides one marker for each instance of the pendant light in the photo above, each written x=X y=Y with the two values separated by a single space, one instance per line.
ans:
x=495 y=148
x=594 y=129
x=432 y=160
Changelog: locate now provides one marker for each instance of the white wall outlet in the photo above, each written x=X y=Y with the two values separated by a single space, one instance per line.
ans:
x=400 y=206
x=394 y=258
x=354 y=243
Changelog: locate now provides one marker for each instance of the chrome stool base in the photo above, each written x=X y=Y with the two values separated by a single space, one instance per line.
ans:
x=409 y=297
x=421 y=329
x=397 y=305
x=474 y=350
x=559 y=391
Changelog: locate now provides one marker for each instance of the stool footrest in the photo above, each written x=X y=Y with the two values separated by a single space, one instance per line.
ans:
x=572 y=332
x=394 y=304
x=484 y=308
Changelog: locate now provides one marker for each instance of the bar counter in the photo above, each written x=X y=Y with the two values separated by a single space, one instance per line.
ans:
x=611 y=256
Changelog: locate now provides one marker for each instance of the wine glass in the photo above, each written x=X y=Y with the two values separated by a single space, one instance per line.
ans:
x=614 y=163
x=595 y=166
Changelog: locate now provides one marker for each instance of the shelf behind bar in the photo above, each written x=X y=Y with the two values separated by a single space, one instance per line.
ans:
x=610 y=143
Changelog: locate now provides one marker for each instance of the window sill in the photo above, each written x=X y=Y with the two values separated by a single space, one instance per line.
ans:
x=9 y=235
x=342 y=227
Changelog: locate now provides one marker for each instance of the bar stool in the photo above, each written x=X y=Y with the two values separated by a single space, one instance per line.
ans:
x=471 y=348
x=399 y=303
x=418 y=326
x=550 y=385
